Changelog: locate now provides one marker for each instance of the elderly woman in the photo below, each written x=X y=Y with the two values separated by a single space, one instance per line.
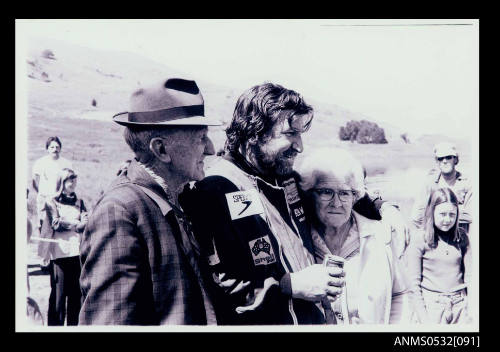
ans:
x=375 y=290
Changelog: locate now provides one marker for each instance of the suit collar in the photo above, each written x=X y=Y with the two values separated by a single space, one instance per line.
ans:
x=139 y=176
x=366 y=227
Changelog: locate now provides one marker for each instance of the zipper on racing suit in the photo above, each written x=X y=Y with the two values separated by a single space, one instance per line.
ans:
x=280 y=252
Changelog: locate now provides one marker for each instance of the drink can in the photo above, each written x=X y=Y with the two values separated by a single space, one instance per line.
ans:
x=331 y=260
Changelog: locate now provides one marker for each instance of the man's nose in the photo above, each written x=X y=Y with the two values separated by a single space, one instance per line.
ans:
x=209 y=147
x=297 y=143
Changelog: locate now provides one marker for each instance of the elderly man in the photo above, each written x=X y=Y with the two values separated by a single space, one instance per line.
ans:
x=446 y=175
x=249 y=218
x=139 y=261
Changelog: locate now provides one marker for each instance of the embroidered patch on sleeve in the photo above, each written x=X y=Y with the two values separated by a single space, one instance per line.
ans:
x=291 y=191
x=262 y=251
x=244 y=203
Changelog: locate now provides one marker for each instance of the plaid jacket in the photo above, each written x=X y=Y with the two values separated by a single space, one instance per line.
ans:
x=135 y=270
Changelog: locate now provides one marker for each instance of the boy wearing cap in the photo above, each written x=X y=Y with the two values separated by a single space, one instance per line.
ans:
x=138 y=256
x=446 y=176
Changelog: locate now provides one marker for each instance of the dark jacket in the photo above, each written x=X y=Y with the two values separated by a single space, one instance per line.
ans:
x=247 y=248
x=234 y=245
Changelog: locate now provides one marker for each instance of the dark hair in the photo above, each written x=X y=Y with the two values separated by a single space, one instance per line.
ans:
x=259 y=109
x=53 y=139
x=438 y=196
x=62 y=176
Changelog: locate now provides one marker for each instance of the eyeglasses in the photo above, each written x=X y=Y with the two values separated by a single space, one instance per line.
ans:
x=448 y=157
x=327 y=194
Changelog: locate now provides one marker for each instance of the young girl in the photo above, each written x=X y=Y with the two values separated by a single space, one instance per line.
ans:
x=439 y=263
x=67 y=217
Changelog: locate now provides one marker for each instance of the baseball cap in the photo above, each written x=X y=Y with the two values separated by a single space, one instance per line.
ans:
x=444 y=149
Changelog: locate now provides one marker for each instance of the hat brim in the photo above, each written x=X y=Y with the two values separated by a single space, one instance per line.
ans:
x=122 y=119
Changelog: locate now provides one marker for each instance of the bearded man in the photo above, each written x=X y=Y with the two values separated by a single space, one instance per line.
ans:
x=249 y=218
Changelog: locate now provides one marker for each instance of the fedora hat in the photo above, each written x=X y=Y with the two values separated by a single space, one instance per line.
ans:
x=174 y=101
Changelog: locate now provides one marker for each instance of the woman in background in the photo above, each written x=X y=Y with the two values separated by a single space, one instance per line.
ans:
x=439 y=263
x=66 y=218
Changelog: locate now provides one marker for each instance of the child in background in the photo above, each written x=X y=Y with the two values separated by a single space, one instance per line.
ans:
x=439 y=263
x=65 y=220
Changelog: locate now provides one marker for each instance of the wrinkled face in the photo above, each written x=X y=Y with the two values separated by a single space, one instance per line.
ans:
x=336 y=211
x=276 y=154
x=188 y=151
x=70 y=185
x=54 y=149
x=447 y=164
x=445 y=216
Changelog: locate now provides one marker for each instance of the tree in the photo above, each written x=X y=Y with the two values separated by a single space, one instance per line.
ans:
x=350 y=131
x=362 y=132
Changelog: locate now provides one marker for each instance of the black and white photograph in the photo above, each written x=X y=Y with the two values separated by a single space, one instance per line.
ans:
x=247 y=175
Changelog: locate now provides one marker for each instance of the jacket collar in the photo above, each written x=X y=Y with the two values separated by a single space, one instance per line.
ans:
x=139 y=176
x=366 y=227
x=240 y=161
x=438 y=176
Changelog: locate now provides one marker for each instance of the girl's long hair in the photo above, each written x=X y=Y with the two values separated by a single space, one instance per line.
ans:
x=62 y=176
x=439 y=196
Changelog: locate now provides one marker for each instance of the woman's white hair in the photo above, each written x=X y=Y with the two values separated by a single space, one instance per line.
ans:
x=335 y=162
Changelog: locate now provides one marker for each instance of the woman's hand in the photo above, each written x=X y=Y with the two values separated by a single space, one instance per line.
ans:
x=317 y=281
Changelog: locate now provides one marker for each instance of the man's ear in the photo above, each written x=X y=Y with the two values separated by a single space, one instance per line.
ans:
x=159 y=150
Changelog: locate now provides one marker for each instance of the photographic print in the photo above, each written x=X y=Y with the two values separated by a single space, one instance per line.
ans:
x=247 y=175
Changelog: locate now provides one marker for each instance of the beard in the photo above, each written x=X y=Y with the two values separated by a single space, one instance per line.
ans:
x=280 y=164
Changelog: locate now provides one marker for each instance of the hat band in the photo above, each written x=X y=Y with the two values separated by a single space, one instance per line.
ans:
x=171 y=114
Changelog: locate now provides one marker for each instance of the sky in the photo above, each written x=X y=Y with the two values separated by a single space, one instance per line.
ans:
x=419 y=75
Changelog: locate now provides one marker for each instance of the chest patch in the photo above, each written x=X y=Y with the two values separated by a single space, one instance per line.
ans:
x=244 y=203
x=262 y=252
x=291 y=191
